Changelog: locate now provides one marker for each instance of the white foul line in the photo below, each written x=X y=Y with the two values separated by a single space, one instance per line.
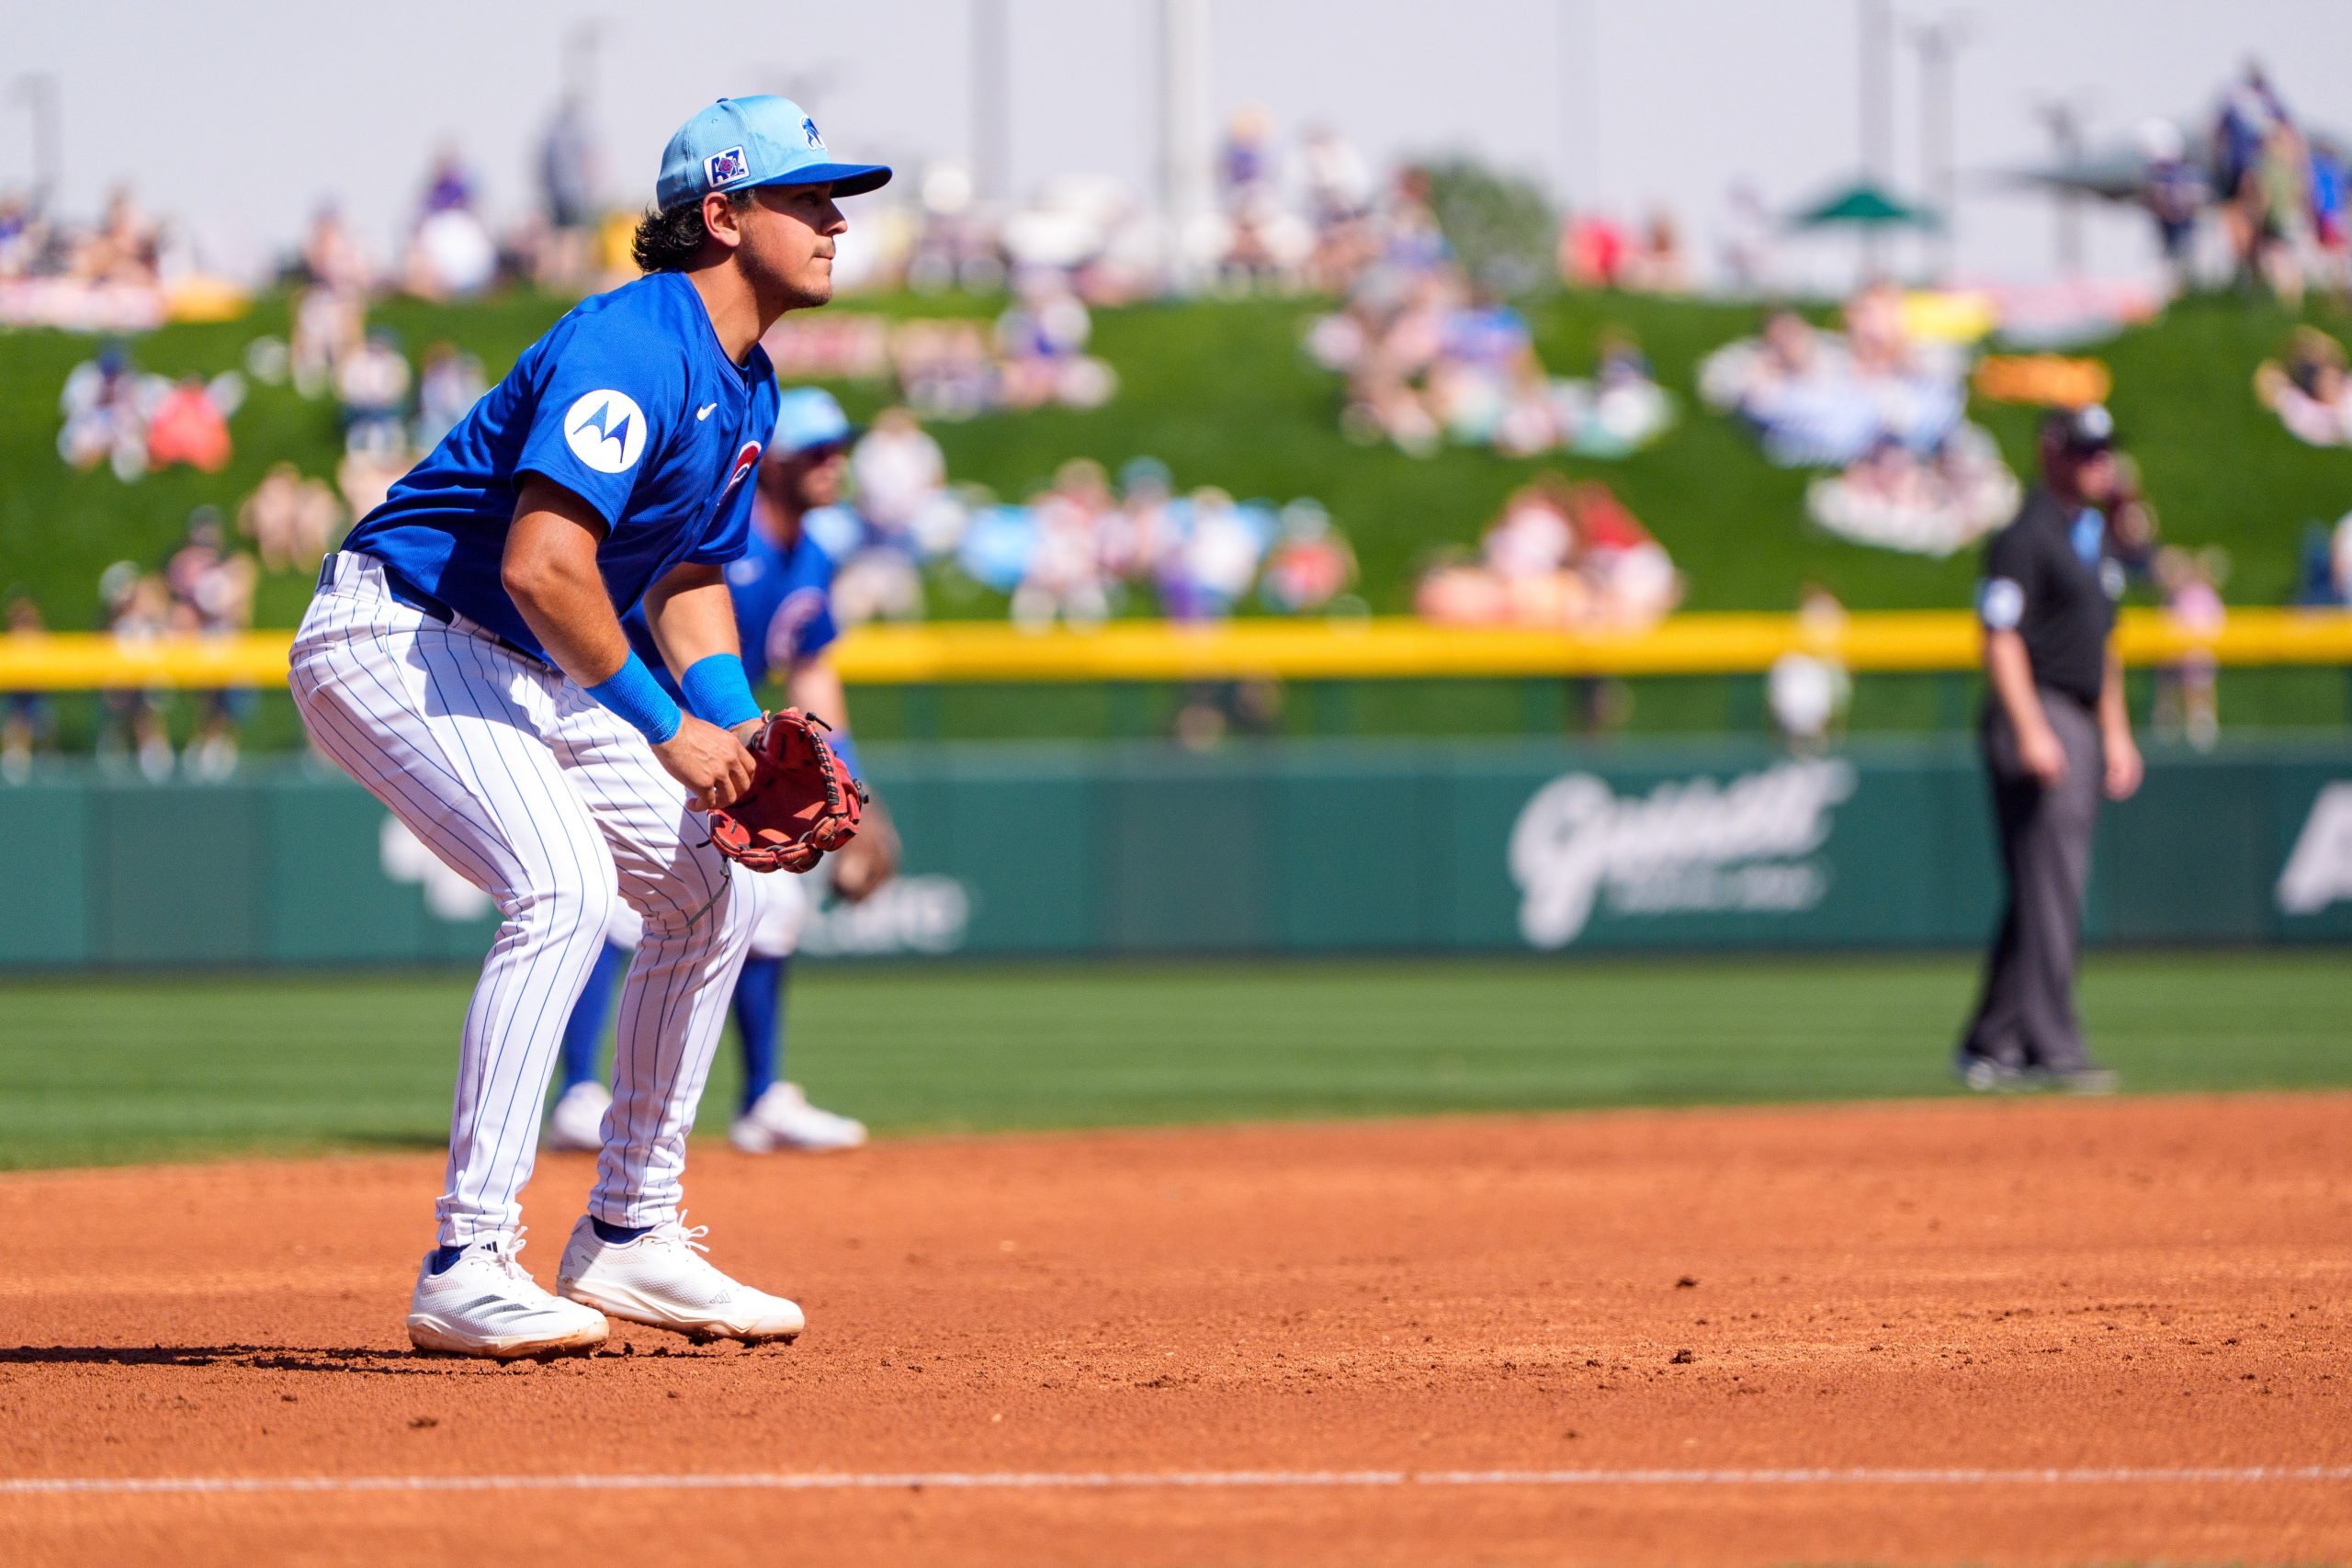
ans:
x=1104 y=1481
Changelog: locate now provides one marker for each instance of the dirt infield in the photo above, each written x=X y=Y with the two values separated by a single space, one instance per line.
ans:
x=1735 y=1337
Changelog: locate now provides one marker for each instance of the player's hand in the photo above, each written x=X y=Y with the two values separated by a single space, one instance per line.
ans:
x=2039 y=754
x=868 y=861
x=2124 y=768
x=714 y=765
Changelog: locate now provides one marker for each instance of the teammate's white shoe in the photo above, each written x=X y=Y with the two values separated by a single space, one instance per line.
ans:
x=782 y=1118
x=577 y=1122
x=662 y=1280
x=486 y=1304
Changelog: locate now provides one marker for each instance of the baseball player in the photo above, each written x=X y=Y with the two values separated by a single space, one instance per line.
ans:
x=464 y=660
x=781 y=589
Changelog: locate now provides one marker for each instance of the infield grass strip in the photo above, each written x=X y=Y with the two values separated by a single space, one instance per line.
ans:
x=95 y=1071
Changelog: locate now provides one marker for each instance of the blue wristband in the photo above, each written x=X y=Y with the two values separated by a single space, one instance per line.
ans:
x=719 y=692
x=637 y=696
x=846 y=750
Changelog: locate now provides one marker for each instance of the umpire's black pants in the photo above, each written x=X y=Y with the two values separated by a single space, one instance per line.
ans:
x=2026 y=1016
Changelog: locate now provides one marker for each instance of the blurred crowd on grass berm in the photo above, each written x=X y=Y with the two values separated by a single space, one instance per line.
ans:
x=1410 y=282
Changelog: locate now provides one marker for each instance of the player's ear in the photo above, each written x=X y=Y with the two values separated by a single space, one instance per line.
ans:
x=723 y=219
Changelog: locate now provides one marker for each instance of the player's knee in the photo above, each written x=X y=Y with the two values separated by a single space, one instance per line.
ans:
x=581 y=906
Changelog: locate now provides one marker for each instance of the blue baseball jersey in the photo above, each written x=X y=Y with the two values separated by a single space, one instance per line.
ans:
x=784 y=607
x=628 y=402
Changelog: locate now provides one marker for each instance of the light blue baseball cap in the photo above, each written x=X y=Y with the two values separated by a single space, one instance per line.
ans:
x=806 y=417
x=737 y=143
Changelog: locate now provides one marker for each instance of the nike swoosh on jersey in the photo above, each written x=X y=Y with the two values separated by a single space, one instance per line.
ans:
x=704 y=413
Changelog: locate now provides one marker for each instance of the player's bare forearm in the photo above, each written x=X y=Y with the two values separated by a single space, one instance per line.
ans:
x=549 y=571
x=2011 y=673
x=692 y=615
x=815 y=686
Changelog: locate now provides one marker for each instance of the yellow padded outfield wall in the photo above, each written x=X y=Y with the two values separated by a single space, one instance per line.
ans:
x=1382 y=649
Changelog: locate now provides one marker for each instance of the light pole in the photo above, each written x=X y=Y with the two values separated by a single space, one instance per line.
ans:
x=2062 y=118
x=1875 y=43
x=1938 y=42
x=992 y=100
x=38 y=91
x=1185 y=129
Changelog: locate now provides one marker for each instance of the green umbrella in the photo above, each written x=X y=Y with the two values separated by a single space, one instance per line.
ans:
x=1864 y=205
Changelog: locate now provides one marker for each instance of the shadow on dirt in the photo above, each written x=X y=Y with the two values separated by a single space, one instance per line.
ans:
x=258 y=1357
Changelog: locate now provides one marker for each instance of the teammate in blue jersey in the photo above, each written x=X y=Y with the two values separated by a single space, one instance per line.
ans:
x=782 y=590
x=464 y=659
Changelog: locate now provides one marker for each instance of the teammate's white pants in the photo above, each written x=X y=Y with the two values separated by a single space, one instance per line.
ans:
x=521 y=782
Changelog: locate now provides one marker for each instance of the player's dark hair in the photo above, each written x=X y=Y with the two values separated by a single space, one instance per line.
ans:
x=672 y=241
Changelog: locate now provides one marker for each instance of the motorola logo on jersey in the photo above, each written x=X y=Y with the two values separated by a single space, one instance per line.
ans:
x=606 y=430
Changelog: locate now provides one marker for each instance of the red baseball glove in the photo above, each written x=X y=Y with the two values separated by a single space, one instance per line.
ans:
x=801 y=803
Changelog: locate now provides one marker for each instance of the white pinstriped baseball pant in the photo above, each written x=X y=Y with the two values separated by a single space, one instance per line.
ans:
x=522 y=783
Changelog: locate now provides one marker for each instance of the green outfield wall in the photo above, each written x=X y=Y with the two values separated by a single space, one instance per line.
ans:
x=1291 y=848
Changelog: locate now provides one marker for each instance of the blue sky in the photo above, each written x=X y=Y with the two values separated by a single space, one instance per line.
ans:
x=239 y=115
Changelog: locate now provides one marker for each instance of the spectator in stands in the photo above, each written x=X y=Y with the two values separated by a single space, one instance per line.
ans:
x=2247 y=110
x=27 y=723
x=329 y=324
x=1246 y=170
x=2173 y=191
x=1041 y=339
x=138 y=610
x=1808 y=688
x=568 y=189
x=451 y=384
x=1065 y=579
x=106 y=403
x=1560 y=556
x=212 y=596
x=1659 y=265
x=2188 y=699
x=331 y=258
x=2310 y=392
x=2284 y=195
x=124 y=248
x=190 y=424
x=902 y=478
x=2330 y=224
x=450 y=255
x=1311 y=564
x=291 y=520
x=371 y=388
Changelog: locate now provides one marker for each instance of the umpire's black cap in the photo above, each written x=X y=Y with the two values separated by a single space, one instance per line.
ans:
x=2079 y=432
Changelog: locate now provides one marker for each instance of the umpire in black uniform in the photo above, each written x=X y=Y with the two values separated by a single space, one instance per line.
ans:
x=2054 y=734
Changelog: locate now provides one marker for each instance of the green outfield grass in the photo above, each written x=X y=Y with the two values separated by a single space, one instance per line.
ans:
x=111 y=1070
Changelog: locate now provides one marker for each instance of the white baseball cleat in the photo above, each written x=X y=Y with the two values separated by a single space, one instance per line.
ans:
x=577 y=1122
x=486 y=1304
x=660 y=1279
x=782 y=1118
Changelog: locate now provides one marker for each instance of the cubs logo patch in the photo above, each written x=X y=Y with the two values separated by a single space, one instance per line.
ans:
x=727 y=167
x=745 y=461
x=606 y=430
x=808 y=129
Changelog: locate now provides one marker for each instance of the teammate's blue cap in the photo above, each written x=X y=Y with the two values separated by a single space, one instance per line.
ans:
x=808 y=417
x=737 y=143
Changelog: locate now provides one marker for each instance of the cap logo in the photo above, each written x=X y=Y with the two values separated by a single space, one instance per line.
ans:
x=808 y=129
x=725 y=168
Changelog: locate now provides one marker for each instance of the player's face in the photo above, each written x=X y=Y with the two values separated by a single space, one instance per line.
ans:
x=788 y=234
